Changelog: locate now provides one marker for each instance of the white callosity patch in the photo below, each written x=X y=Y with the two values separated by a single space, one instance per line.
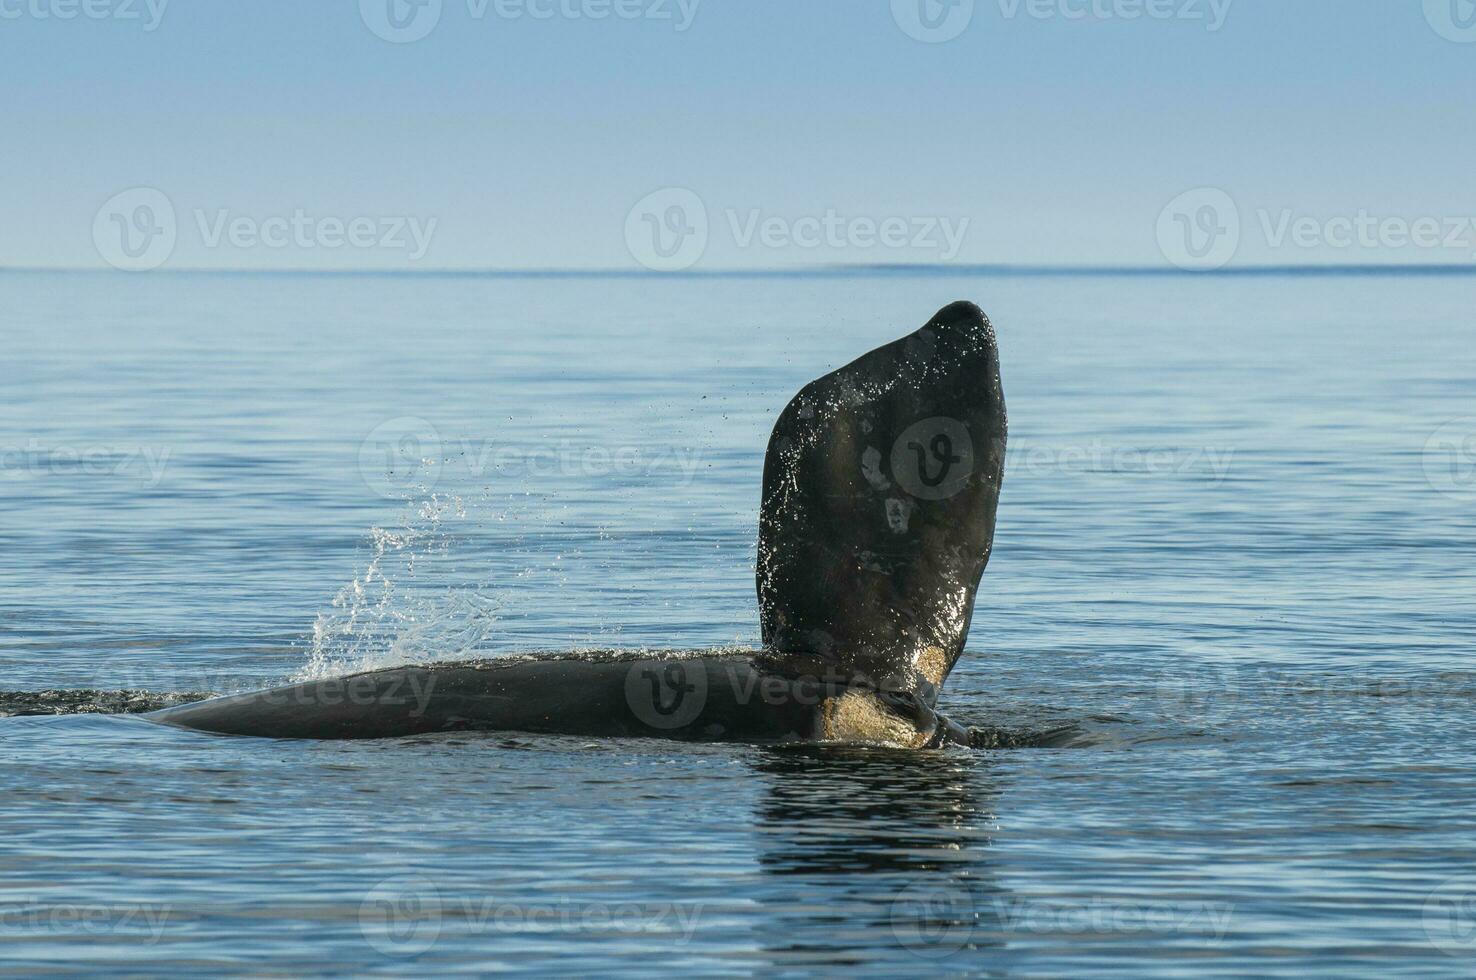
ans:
x=899 y=514
x=871 y=468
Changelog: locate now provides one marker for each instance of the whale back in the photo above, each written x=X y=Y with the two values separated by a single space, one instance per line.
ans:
x=880 y=488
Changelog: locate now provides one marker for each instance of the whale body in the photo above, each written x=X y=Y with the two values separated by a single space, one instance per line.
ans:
x=697 y=697
x=881 y=484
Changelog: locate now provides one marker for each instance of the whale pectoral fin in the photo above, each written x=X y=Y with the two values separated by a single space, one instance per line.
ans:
x=880 y=488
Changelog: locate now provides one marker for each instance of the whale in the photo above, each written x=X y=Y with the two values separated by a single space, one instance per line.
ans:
x=881 y=485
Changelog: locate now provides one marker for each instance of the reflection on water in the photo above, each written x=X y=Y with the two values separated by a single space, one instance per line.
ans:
x=859 y=843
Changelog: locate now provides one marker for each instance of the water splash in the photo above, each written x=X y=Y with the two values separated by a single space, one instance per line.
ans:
x=392 y=613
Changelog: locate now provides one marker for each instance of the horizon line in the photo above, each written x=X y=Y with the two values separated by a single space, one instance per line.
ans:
x=799 y=272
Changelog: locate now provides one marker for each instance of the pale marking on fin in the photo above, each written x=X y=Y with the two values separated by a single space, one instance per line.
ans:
x=899 y=514
x=871 y=469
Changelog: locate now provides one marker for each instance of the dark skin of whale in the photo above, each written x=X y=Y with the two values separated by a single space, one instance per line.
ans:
x=604 y=698
x=881 y=484
x=693 y=698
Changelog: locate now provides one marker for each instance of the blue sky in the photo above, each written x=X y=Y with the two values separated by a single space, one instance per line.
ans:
x=291 y=135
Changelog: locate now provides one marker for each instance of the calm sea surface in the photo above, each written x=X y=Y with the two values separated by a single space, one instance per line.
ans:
x=1229 y=619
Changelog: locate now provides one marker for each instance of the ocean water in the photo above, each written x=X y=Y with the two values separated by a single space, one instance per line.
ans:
x=1228 y=627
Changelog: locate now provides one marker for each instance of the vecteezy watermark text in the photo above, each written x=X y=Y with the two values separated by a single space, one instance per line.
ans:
x=137 y=230
x=304 y=231
x=407 y=455
x=936 y=918
x=403 y=916
x=1265 y=692
x=669 y=230
x=936 y=21
x=1101 y=457
x=147 y=13
x=396 y=689
x=1105 y=917
x=405 y=21
x=38 y=916
x=1364 y=230
x=145 y=464
x=1203 y=229
x=1210 y=13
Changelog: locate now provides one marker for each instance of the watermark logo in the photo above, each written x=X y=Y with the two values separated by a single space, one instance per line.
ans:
x=149 y=13
x=1450 y=458
x=933 y=919
x=1205 y=692
x=401 y=916
x=1450 y=917
x=401 y=457
x=933 y=21
x=666 y=694
x=1179 y=694
x=135 y=230
x=1454 y=20
x=934 y=458
x=667 y=230
x=1200 y=229
x=400 y=21
x=670 y=230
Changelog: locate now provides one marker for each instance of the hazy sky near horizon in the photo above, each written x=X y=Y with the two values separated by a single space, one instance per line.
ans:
x=717 y=134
